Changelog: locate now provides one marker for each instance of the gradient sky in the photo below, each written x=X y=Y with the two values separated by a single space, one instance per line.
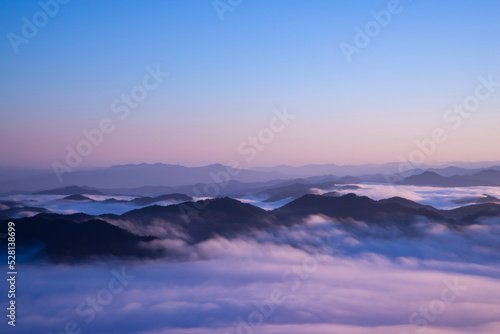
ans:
x=226 y=77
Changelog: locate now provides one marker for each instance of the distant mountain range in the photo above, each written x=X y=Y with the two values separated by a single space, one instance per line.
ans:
x=70 y=190
x=134 y=176
x=157 y=179
x=277 y=190
x=487 y=177
x=367 y=170
x=139 y=201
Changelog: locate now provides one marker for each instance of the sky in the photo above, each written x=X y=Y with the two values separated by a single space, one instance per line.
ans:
x=235 y=68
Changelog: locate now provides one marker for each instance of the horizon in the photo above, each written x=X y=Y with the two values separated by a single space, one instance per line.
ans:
x=284 y=94
x=430 y=164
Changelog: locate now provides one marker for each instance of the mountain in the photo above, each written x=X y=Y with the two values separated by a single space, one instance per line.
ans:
x=231 y=188
x=199 y=220
x=77 y=197
x=471 y=213
x=281 y=192
x=77 y=237
x=477 y=199
x=354 y=207
x=396 y=212
x=453 y=171
x=485 y=177
x=370 y=170
x=70 y=190
x=139 y=201
x=489 y=177
x=60 y=239
x=299 y=187
x=169 y=197
x=157 y=179
x=330 y=169
x=428 y=179
x=21 y=211
x=332 y=194
x=134 y=176
x=408 y=203
x=11 y=173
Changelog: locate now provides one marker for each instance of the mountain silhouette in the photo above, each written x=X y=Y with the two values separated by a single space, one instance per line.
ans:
x=133 y=176
x=168 y=197
x=354 y=207
x=488 y=177
x=61 y=239
x=77 y=197
x=76 y=237
x=70 y=190
x=485 y=198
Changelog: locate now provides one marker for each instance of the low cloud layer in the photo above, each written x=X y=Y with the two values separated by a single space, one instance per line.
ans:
x=316 y=278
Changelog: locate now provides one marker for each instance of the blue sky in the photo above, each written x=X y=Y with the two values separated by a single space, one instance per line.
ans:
x=227 y=76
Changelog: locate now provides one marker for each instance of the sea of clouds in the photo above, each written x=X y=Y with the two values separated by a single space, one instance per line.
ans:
x=438 y=197
x=323 y=277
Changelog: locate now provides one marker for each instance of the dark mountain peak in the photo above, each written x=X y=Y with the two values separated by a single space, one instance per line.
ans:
x=484 y=198
x=202 y=220
x=230 y=206
x=397 y=199
x=93 y=238
x=224 y=206
x=332 y=194
x=355 y=207
x=310 y=201
x=65 y=240
x=77 y=197
x=405 y=202
x=473 y=212
x=487 y=197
